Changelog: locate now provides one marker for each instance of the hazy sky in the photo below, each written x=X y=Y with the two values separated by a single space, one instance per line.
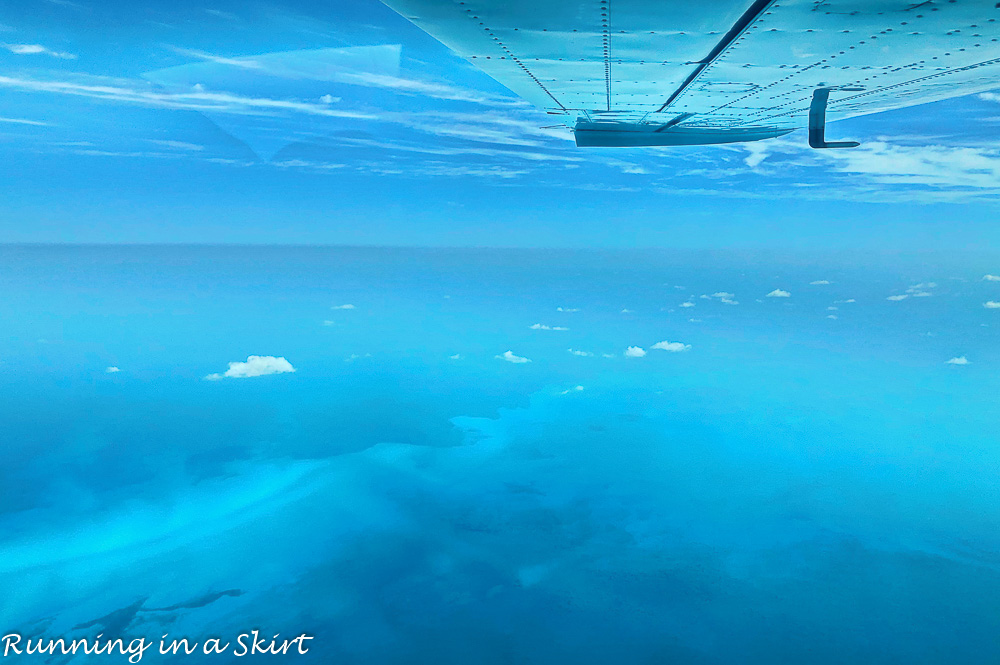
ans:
x=340 y=122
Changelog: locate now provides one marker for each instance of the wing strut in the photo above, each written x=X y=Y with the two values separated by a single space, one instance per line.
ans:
x=817 y=121
x=749 y=16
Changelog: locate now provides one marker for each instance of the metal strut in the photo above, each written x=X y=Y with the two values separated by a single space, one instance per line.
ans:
x=817 y=121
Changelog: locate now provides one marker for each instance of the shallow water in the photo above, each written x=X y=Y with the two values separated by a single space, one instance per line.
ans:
x=791 y=488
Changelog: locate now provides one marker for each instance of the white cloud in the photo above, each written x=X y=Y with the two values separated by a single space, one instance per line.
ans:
x=778 y=293
x=917 y=290
x=542 y=326
x=254 y=366
x=112 y=370
x=728 y=301
x=991 y=278
x=820 y=282
x=582 y=354
x=635 y=352
x=178 y=145
x=991 y=304
x=511 y=358
x=723 y=294
x=37 y=49
x=831 y=308
x=925 y=165
x=607 y=355
x=198 y=99
x=574 y=389
x=687 y=304
x=757 y=152
x=897 y=298
x=457 y=356
x=832 y=316
x=424 y=88
x=960 y=360
x=343 y=307
x=66 y=3
x=24 y=121
x=628 y=311
x=241 y=63
x=567 y=309
x=673 y=347
x=843 y=301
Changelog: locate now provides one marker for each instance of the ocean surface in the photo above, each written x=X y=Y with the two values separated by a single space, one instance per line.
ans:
x=480 y=457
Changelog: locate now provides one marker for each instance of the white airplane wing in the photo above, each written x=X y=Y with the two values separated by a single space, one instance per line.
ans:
x=682 y=72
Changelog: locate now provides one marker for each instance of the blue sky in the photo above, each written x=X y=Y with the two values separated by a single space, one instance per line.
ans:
x=341 y=123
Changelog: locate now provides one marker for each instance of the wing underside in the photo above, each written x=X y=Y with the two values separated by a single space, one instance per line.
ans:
x=668 y=72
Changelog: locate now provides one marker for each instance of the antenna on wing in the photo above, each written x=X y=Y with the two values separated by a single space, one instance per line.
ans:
x=817 y=120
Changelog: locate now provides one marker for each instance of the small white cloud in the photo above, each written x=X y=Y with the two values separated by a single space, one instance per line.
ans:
x=843 y=301
x=511 y=358
x=723 y=294
x=23 y=121
x=673 y=347
x=37 y=49
x=177 y=145
x=960 y=360
x=897 y=298
x=112 y=370
x=542 y=326
x=694 y=320
x=921 y=294
x=634 y=169
x=567 y=309
x=574 y=389
x=991 y=278
x=582 y=354
x=348 y=306
x=329 y=99
x=678 y=286
x=635 y=352
x=687 y=304
x=254 y=366
x=328 y=322
x=991 y=304
x=607 y=355
x=778 y=293
x=457 y=356
x=832 y=316
x=820 y=282
x=831 y=308
x=627 y=311
x=728 y=301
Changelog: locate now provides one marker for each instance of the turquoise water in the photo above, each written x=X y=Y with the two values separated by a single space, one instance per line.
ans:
x=790 y=488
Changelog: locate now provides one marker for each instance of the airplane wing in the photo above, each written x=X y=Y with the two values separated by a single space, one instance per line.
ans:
x=681 y=72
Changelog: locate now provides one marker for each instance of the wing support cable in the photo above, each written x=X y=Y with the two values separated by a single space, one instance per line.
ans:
x=676 y=121
x=817 y=121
